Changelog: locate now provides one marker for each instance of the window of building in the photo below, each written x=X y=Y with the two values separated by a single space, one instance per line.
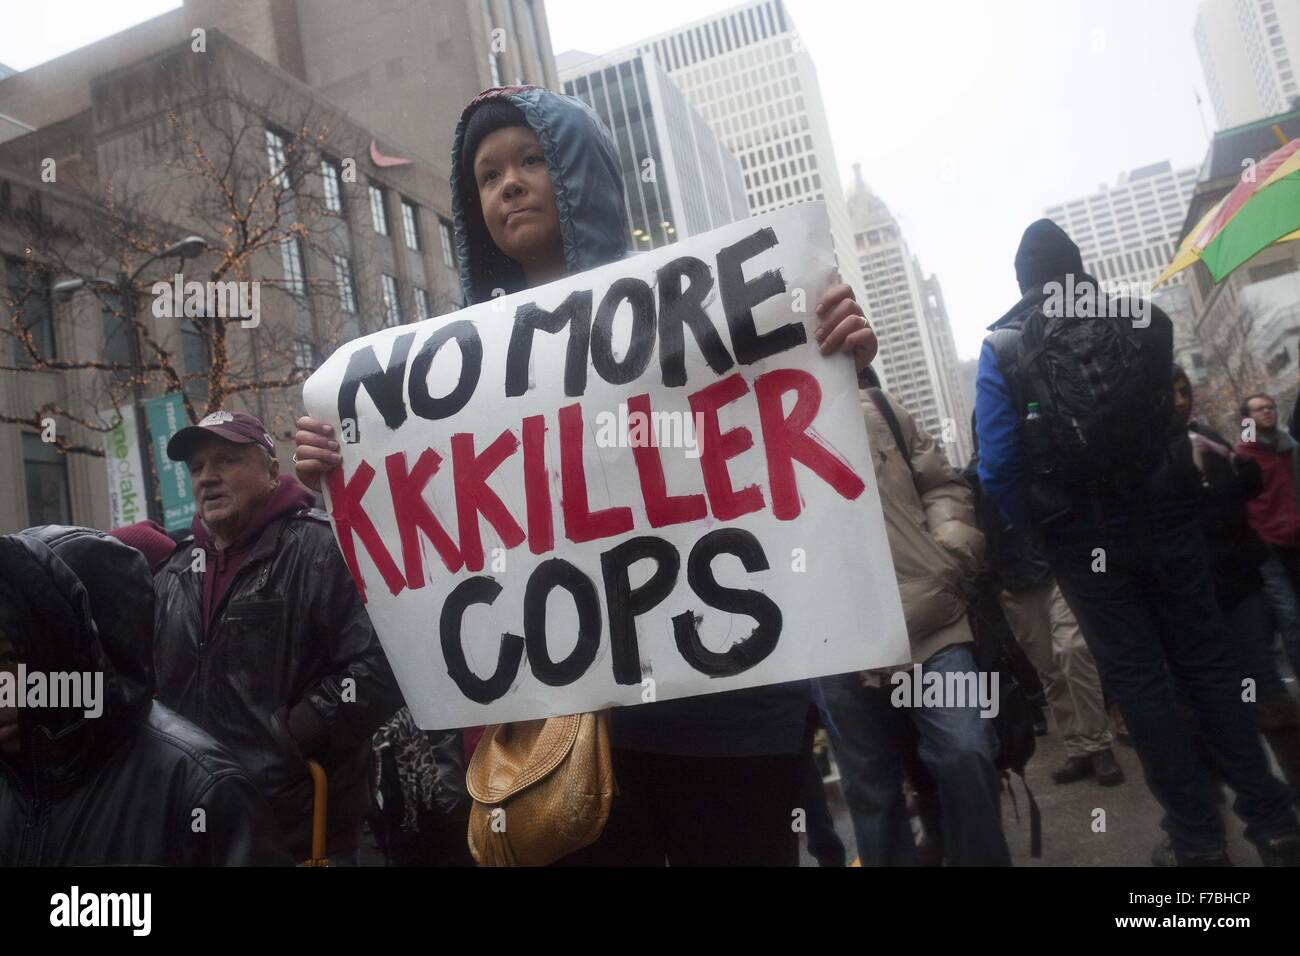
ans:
x=27 y=295
x=304 y=354
x=1271 y=270
x=422 y=310
x=494 y=58
x=119 y=337
x=45 y=470
x=194 y=349
x=448 y=245
x=347 y=290
x=276 y=144
x=378 y=213
x=392 y=307
x=410 y=225
x=291 y=259
x=332 y=181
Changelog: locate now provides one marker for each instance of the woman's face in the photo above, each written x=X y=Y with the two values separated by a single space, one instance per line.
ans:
x=514 y=191
x=1183 y=400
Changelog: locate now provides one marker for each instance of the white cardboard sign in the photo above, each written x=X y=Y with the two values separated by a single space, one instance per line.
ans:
x=642 y=482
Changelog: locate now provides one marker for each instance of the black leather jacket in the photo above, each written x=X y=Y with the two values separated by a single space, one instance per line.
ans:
x=136 y=784
x=290 y=646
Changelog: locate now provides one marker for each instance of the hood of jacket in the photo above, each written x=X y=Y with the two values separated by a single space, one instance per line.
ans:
x=288 y=497
x=74 y=600
x=584 y=169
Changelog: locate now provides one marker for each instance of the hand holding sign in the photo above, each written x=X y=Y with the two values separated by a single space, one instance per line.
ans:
x=524 y=552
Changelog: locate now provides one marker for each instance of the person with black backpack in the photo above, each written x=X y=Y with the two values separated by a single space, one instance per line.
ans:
x=1079 y=441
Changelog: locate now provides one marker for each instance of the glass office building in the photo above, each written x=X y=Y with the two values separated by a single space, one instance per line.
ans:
x=679 y=179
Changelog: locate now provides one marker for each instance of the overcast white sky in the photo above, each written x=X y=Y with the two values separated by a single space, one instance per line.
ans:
x=968 y=116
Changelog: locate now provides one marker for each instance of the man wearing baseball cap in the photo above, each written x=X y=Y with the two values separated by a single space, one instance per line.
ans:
x=261 y=637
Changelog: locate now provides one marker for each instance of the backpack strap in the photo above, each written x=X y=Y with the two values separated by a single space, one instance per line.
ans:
x=1035 y=815
x=887 y=411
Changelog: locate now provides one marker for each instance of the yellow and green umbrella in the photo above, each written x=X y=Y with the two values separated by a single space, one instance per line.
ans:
x=1262 y=210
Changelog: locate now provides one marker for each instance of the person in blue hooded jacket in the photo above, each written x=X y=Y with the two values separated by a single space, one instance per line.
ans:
x=537 y=194
x=1133 y=567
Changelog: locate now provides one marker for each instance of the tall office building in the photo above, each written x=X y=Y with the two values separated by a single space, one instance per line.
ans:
x=679 y=179
x=747 y=73
x=1250 y=52
x=917 y=353
x=1129 y=233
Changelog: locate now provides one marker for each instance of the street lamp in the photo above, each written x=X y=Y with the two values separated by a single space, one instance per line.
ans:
x=187 y=248
x=124 y=286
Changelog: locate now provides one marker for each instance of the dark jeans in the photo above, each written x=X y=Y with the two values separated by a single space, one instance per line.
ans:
x=1250 y=630
x=1282 y=586
x=1149 y=618
x=957 y=746
x=699 y=811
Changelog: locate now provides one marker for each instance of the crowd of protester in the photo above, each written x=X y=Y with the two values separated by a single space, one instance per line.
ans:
x=1113 y=555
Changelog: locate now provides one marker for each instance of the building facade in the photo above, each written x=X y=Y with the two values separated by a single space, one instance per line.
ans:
x=1128 y=233
x=917 y=356
x=1250 y=54
x=376 y=59
x=746 y=71
x=679 y=180
x=363 y=245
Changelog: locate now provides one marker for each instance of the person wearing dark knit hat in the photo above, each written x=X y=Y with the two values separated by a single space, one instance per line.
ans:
x=149 y=538
x=1046 y=254
x=491 y=115
x=1152 y=621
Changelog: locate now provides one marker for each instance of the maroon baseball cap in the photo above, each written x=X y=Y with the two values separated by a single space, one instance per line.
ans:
x=234 y=427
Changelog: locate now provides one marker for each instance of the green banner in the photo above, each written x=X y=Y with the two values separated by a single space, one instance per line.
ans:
x=166 y=416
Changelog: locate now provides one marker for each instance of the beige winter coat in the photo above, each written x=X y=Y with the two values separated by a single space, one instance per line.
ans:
x=930 y=519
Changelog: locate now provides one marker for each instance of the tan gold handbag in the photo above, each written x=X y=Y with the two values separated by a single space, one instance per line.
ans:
x=542 y=789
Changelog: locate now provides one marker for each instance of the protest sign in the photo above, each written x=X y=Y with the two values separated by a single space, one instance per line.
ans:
x=642 y=482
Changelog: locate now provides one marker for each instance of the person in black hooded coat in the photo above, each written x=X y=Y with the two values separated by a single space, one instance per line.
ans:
x=127 y=781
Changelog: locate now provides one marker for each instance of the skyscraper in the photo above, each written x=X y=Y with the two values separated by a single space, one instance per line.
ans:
x=917 y=355
x=1250 y=52
x=1128 y=233
x=679 y=179
x=747 y=73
